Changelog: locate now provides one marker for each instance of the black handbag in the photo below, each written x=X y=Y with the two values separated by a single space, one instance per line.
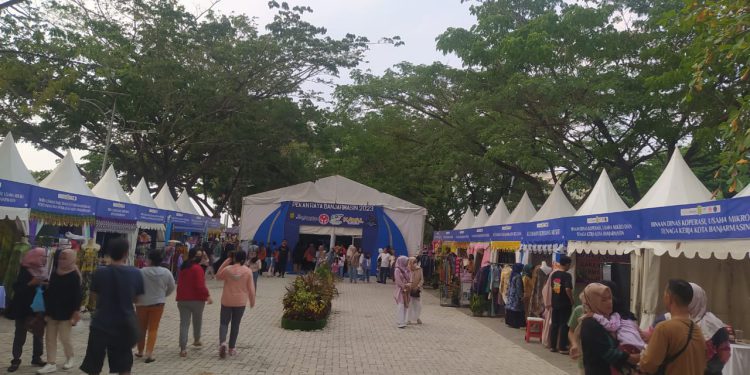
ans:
x=415 y=293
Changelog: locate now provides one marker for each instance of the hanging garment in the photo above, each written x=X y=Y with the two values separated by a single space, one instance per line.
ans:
x=7 y=236
x=14 y=266
x=87 y=261
x=536 y=306
x=505 y=282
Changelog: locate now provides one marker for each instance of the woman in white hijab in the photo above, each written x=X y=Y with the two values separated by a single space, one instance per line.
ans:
x=714 y=331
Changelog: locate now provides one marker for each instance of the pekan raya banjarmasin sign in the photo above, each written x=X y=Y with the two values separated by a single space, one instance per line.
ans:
x=332 y=214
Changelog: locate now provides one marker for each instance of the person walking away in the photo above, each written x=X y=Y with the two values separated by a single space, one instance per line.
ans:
x=283 y=256
x=157 y=285
x=601 y=352
x=514 y=314
x=192 y=297
x=562 y=305
x=385 y=266
x=62 y=301
x=677 y=345
x=113 y=329
x=353 y=265
x=401 y=292
x=270 y=266
x=31 y=274
x=238 y=292
x=365 y=263
x=255 y=265
x=415 y=292
x=714 y=332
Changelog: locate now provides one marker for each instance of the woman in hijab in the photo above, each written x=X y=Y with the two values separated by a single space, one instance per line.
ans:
x=415 y=298
x=402 y=276
x=62 y=301
x=716 y=335
x=599 y=347
x=514 y=316
x=31 y=274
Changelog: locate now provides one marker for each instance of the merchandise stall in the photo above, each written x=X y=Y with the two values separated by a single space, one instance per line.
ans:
x=15 y=193
x=61 y=204
x=197 y=231
x=116 y=216
x=545 y=235
x=150 y=224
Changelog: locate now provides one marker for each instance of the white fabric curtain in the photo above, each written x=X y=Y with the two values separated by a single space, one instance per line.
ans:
x=411 y=225
x=252 y=217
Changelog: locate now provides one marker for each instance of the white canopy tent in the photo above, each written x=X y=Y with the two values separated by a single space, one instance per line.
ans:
x=66 y=177
x=109 y=188
x=467 y=220
x=186 y=205
x=13 y=169
x=723 y=280
x=499 y=215
x=556 y=206
x=523 y=212
x=604 y=199
x=142 y=197
x=408 y=217
x=165 y=201
x=481 y=219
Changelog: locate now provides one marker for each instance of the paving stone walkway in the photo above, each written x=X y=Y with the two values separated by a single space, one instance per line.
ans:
x=361 y=338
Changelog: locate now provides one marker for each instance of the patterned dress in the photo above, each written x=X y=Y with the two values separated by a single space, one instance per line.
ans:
x=87 y=261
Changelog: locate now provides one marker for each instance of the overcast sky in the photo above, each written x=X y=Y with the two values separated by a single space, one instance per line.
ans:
x=418 y=22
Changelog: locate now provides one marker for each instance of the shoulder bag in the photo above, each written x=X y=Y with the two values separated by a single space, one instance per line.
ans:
x=663 y=367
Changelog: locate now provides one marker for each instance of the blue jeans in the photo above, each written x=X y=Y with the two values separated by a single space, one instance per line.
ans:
x=365 y=275
x=353 y=274
x=341 y=271
x=255 y=279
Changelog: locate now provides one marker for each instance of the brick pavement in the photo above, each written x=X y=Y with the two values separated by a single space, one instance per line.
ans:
x=361 y=338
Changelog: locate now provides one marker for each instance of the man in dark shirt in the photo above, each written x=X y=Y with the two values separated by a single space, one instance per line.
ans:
x=283 y=256
x=116 y=287
x=562 y=305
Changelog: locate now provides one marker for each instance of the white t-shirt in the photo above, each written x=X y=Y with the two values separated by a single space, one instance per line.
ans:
x=385 y=260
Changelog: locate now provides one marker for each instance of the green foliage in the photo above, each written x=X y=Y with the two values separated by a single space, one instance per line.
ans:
x=309 y=297
x=478 y=305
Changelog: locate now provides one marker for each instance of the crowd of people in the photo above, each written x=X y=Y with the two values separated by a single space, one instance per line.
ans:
x=603 y=335
x=129 y=304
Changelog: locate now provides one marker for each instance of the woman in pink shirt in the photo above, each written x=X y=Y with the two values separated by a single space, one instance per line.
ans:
x=239 y=290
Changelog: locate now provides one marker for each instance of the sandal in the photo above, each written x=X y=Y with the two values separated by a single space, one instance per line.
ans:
x=138 y=355
x=149 y=360
x=183 y=354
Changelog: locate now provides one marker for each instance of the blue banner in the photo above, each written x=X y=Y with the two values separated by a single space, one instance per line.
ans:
x=214 y=222
x=508 y=232
x=152 y=215
x=545 y=231
x=479 y=235
x=331 y=214
x=729 y=218
x=59 y=202
x=107 y=209
x=14 y=194
x=616 y=226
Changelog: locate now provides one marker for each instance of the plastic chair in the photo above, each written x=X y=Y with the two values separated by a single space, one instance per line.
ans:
x=534 y=328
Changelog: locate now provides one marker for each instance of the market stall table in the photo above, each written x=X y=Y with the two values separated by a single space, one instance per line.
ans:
x=739 y=362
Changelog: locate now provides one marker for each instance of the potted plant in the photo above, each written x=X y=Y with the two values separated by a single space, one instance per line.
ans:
x=477 y=305
x=307 y=302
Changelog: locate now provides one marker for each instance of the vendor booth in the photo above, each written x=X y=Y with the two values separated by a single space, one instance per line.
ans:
x=115 y=215
x=62 y=203
x=197 y=228
x=545 y=236
x=150 y=224
x=330 y=207
x=15 y=194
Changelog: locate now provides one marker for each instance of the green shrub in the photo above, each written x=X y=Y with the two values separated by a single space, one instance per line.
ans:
x=309 y=297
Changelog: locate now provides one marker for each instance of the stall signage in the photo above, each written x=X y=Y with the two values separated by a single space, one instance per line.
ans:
x=545 y=231
x=214 y=222
x=331 y=214
x=108 y=209
x=197 y=221
x=151 y=215
x=508 y=232
x=617 y=226
x=14 y=194
x=479 y=235
x=729 y=218
x=58 y=202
